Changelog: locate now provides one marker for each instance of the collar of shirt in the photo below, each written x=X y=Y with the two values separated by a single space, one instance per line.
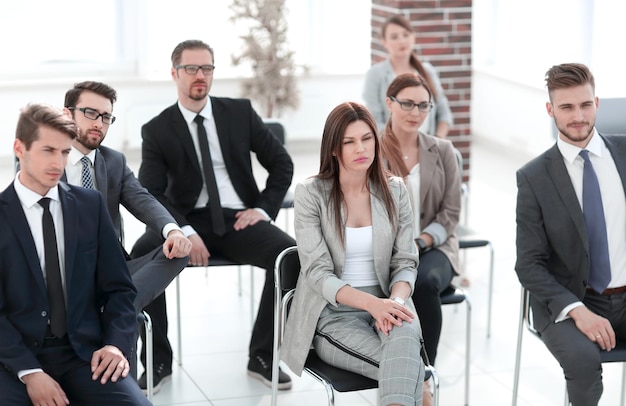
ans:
x=28 y=198
x=206 y=112
x=571 y=152
x=75 y=156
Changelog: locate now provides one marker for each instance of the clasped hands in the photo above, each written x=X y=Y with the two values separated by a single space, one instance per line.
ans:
x=389 y=313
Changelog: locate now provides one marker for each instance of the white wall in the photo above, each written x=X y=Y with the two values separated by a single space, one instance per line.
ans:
x=138 y=101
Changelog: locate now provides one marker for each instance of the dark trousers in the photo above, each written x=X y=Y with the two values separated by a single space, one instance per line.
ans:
x=578 y=356
x=434 y=275
x=74 y=376
x=257 y=245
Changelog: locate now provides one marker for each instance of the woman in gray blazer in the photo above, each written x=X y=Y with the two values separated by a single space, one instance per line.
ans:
x=429 y=168
x=354 y=233
x=398 y=39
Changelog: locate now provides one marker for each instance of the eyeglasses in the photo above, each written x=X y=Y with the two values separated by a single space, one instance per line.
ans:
x=424 y=107
x=193 y=69
x=94 y=115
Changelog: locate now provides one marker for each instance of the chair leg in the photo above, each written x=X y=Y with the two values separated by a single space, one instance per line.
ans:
x=566 y=396
x=149 y=355
x=490 y=293
x=518 y=353
x=623 y=397
x=179 y=322
x=239 y=280
x=468 y=347
x=330 y=393
x=251 y=295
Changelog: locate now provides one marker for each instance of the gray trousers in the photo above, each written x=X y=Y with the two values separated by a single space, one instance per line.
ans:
x=579 y=357
x=347 y=338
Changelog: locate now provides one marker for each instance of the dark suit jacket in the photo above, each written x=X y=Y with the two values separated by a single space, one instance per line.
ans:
x=552 y=246
x=99 y=290
x=118 y=185
x=171 y=172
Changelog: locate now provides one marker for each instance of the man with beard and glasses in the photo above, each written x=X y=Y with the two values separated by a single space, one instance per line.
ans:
x=571 y=234
x=94 y=166
x=196 y=159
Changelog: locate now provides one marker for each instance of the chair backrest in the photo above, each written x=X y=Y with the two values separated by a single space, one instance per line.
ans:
x=277 y=129
x=289 y=268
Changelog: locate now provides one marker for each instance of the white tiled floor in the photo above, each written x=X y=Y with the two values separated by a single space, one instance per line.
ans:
x=216 y=321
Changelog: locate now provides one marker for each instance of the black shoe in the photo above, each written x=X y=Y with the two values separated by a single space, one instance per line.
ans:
x=261 y=369
x=162 y=374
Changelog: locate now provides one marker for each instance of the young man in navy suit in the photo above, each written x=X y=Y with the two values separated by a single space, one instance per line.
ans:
x=196 y=162
x=66 y=297
x=571 y=234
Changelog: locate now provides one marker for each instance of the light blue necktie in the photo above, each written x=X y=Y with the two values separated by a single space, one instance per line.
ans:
x=593 y=212
x=85 y=177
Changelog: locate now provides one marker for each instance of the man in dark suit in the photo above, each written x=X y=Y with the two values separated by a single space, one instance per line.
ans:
x=91 y=165
x=66 y=297
x=575 y=267
x=196 y=162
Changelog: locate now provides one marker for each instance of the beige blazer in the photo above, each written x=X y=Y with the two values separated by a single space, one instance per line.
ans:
x=440 y=195
x=322 y=258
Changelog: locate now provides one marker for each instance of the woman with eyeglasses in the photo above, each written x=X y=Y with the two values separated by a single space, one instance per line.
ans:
x=398 y=39
x=430 y=170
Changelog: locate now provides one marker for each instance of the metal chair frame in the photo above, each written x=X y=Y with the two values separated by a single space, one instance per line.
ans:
x=333 y=379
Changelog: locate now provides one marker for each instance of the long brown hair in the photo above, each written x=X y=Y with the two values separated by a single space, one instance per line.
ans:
x=330 y=159
x=390 y=145
x=413 y=59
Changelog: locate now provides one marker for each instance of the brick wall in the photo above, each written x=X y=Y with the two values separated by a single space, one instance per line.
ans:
x=444 y=38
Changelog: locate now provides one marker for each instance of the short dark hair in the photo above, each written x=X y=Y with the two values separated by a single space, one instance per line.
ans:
x=177 y=54
x=568 y=75
x=34 y=116
x=102 y=89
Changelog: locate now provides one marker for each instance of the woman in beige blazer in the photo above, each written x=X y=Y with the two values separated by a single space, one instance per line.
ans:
x=430 y=170
x=358 y=264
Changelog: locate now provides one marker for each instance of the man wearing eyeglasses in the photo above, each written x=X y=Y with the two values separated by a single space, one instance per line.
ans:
x=91 y=165
x=196 y=161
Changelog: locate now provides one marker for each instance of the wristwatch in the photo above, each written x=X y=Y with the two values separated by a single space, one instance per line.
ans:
x=421 y=244
x=398 y=300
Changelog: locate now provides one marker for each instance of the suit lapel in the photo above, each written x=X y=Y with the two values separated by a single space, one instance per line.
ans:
x=428 y=159
x=16 y=219
x=618 y=153
x=181 y=129
x=100 y=170
x=563 y=185
x=70 y=226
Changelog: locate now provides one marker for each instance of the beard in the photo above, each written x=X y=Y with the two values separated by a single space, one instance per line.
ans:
x=87 y=141
x=575 y=136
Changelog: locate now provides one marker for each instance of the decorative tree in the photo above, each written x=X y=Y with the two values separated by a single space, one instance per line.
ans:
x=273 y=84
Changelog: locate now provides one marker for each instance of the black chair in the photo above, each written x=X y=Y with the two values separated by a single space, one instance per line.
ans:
x=334 y=379
x=618 y=354
x=277 y=128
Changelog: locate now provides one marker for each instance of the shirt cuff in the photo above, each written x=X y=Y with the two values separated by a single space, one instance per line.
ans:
x=169 y=227
x=563 y=315
x=23 y=373
x=188 y=231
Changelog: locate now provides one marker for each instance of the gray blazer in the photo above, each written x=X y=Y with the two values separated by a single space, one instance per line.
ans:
x=378 y=79
x=322 y=258
x=552 y=246
x=118 y=185
x=440 y=195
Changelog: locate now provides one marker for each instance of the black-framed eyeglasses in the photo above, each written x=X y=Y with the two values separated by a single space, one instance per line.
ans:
x=94 y=115
x=424 y=107
x=193 y=69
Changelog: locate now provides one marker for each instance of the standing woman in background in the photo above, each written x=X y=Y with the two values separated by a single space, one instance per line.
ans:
x=398 y=39
x=430 y=170
x=354 y=232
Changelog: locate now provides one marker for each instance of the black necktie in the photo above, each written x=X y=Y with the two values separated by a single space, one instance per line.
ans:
x=53 y=272
x=215 y=207
x=593 y=212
